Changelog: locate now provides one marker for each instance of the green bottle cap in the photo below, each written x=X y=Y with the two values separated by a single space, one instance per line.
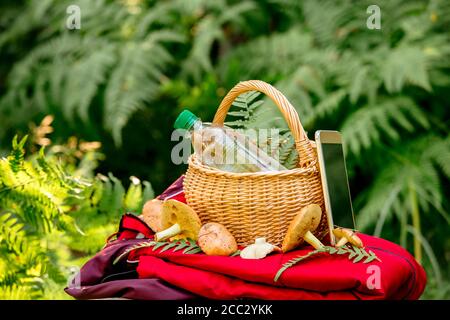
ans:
x=185 y=120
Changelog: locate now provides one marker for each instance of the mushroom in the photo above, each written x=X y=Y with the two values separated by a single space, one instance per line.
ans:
x=301 y=228
x=347 y=235
x=258 y=250
x=215 y=240
x=151 y=214
x=178 y=219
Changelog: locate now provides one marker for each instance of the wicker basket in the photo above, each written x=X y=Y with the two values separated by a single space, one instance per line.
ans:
x=257 y=204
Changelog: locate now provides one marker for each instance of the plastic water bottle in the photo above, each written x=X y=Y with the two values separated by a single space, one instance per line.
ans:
x=223 y=148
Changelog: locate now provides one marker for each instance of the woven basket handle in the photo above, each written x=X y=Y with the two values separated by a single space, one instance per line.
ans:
x=302 y=143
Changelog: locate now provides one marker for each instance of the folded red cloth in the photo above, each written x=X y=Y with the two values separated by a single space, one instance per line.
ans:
x=323 y=276
x=397 y=276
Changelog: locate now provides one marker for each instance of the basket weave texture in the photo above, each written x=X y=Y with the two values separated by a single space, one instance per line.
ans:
x=257 y=204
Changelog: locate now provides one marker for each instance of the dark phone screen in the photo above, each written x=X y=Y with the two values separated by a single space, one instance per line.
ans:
x=337 y=181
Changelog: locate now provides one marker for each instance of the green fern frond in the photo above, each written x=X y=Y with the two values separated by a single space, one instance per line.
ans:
x=329 y=103
x=86 y=63
x=9 y=278
x=35 y=191
x=243 y=109
x=160 y=13
x=36 y=199
x=134 y=82
x=438 y=151
x=367 y=126
x=16 y=157
x=189 y=246
x=356 y=87
x=405 y=65
x=133 y=196
x=118 y=193
x=353 y=253
x=148 y=192
x=18 y=291
x=236 y=254
x=337 y=16
x=85 y=78
x=103 y=190
x=12 y=233
x=110 y=197
x=414 y=163
x=209 y=30
x=288 y=155
x=26 y=21
x=281 y=53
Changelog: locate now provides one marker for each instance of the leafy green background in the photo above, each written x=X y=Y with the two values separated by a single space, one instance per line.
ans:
x=103 y=99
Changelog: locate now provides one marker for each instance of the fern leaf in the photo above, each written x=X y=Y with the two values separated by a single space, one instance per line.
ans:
x=104 y=191
x=371 y=257
x=169 y=246
x=17 y=292
x=288 y=155
x=141 y=245
x=209 y=30
x=263 y=55
x=192 y=248
x=365 y=127
x=158 y=245
x=439 y=152
x=235 y=254
x=310 y=79
x=416 y=166
x=325 y=29
x=246 y=104
x=330 y=103
x=294 y=261
x=117 y=195
x=148 y=192
x=354 y=254
x=133 y=196
x=134 y=82
x=181 y=245
x=16 y=157
x=405 y=64
x=12 y=233
x=85 y=78
x=189 y=245
x=357 y=84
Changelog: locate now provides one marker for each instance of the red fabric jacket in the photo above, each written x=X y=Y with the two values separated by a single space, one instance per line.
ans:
x=320 y=277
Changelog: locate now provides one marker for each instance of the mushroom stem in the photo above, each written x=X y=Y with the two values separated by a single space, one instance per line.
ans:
x=168 y=233
x=342 y=241
x=312 y=240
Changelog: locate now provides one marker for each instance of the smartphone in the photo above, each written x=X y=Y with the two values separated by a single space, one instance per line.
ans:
x=333 y=173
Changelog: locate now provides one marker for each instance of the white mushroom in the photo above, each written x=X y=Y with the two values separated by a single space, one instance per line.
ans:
x=258 y=250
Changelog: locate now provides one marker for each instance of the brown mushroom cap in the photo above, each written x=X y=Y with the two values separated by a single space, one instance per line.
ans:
x=307 y=219
x=176 y=212
x=214 y=239
x=151 y=214
x=350 y=235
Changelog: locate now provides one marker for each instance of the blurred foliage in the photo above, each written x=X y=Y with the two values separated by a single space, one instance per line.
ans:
x=134 y=65
x=52 y=219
